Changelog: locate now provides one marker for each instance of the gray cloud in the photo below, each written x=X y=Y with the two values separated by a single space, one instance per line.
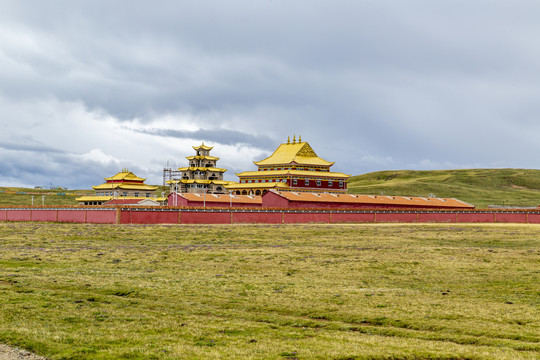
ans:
x=370 y=84
x=221 y=136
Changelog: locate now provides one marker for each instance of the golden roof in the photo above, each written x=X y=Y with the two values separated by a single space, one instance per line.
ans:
x=204 y=157
x=202 y=169
x=202 y=146
x=321 y=174
x=297 y=152
x=125 y=175
x=125 y=186
x=95 y=198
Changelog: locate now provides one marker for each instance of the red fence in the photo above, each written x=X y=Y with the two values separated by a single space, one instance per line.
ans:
x=175 y=215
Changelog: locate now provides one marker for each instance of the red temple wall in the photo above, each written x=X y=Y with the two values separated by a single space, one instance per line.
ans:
x=101 y=216
x=257 y=217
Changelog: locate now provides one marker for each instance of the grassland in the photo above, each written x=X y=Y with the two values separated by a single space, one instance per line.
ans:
x=23 y=196
x=75 y=291
x=480 y=187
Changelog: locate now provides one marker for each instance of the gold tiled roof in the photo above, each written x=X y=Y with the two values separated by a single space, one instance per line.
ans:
x=300 y=173
x=300 y=153
x=95 y=198
x=125 y=175
x=204 y=147
x=203 y=157
x=125 y=186
x=202 y=169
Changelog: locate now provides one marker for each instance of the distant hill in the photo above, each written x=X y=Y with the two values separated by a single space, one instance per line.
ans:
x=480 y=187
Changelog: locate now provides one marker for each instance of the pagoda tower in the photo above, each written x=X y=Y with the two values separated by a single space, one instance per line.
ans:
x=294 y=166
x=202 y=175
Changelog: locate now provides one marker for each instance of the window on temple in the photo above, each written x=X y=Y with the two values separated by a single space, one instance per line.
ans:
x=330 y=183
x=306 y=182
x=318 y=182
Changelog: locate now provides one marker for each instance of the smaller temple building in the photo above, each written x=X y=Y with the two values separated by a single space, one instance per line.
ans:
x=202 y=175
x=124 y=185
x=294 y=166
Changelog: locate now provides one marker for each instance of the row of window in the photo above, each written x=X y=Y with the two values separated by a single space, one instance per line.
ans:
x=195 y=165
x=263 y=181
x=125 y=193
x=294 y=182
x=318 y=182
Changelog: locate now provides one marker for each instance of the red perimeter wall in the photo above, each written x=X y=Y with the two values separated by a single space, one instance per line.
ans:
x=129 y=215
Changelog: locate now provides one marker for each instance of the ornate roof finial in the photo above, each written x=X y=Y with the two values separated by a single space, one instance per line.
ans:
x=288 y=139
x=294 y=139
x=299 y=138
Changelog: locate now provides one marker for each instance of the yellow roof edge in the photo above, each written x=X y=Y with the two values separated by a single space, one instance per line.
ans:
x=202 y=146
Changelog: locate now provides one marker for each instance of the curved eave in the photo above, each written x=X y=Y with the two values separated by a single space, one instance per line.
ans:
x=202 y=169
x=107 y=186
x=298 y=160
x=313 y=174
x=94 y=198
x=125 y=176
x=204 y=147
x=204 y=157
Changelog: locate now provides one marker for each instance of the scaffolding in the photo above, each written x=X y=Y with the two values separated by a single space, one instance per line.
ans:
x=170 y=174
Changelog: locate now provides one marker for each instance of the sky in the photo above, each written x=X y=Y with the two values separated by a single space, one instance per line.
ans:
x=88 y=88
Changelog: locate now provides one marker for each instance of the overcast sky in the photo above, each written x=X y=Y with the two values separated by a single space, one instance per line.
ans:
x=88 y=88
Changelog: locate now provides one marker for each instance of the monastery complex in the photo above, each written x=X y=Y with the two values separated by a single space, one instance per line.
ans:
x=294 y=176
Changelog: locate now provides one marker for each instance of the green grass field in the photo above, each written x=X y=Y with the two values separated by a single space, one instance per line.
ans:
x=480 y=187
x=10 y=196
x=451 y=291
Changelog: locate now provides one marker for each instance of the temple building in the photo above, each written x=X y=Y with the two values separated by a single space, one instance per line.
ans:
x=124 y=185
x=202 y=175
x=294 y=166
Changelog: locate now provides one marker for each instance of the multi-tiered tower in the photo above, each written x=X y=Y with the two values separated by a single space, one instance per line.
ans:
x=202 y=175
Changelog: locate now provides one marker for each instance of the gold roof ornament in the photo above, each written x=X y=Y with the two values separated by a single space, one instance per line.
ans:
x=299 y=138
x=288 y=139
x=294 y=139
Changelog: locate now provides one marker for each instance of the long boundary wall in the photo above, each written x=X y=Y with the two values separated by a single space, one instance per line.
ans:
x=175 y=215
